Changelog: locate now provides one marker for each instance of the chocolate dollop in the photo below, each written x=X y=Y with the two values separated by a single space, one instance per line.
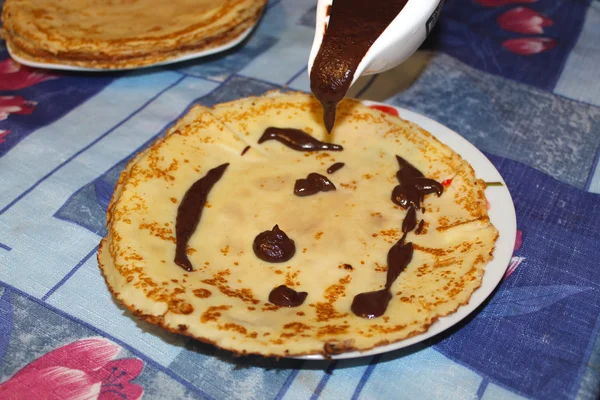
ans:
x=274 y=246
x=286 y=297
x=313 y=184
x=335 y=167
x=413 y=186
x=371 y=304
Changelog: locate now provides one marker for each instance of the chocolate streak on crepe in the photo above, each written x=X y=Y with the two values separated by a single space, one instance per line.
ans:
x=286 y=297
x=409 y=194
x=313 y=184
x=190 y=211
x=410 y=220
x=274 y=246
x=245 y=150
x=373 y=304
x=297 y=140
x=353 y=27
x=420 y=227
x=335 y=167
x=413 y=186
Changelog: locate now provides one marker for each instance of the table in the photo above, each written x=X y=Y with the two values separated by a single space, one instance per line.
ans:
x=518 y=78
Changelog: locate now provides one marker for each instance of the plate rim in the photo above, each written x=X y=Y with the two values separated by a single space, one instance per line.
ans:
x=502 y=214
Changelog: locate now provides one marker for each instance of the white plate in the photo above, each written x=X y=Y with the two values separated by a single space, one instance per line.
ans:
x=173 y=60
x=502 y=214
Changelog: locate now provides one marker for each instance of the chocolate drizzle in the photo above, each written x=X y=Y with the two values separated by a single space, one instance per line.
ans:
x=413 y=186
x=190 y=211
x=420 y=227
x=313 y=184
x=408 y=194
x=353 y=27
x=286 y=297
x=410 y=220
x=274 y=246
x=335 y=167
x=245 y=150
x=297 y=140
x=373 y=304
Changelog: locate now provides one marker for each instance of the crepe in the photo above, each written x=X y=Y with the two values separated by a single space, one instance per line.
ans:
x=342 y=236
x=122 y=34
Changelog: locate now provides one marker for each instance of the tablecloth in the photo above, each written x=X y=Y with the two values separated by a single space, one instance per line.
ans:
x=518 y=78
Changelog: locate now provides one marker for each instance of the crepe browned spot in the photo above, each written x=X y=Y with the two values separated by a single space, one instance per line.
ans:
x=342 y=237
x=122 y=34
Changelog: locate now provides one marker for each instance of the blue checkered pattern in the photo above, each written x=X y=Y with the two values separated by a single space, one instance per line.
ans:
x=536 y=115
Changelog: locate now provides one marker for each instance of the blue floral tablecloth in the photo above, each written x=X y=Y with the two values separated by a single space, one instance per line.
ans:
x=520 y=79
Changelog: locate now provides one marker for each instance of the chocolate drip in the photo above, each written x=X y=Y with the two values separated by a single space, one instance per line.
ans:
x=335 y=167
x=190 y=211
x=410 y=220
x=353 y=27
x=286 y=297
x=313 y=184
x=274 y=246
x=297 y=140
x=420 y=228
x=398 y=258
x=409 y=194
x=245 y=150
x=373 y=304
x=413 y=186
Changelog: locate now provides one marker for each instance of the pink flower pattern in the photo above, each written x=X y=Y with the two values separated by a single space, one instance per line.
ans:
x=15 y=105
x=524 y=20
x=3 y=135
x=515 y=260
x=84 y=369
x=529 y=46
x=14 y=76
x=500 y=3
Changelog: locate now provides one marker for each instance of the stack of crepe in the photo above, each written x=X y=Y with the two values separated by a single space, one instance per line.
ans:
x=118 y=34
x=342 y=237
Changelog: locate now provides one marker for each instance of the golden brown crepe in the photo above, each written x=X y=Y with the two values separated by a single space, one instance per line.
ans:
x=122 y=33
x=342 y=237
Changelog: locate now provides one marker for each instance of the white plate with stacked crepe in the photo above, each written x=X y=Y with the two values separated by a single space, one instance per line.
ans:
x=213 y=284
x=93 y=35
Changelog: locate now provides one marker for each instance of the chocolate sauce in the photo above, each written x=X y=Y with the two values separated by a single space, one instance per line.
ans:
x=413 y=186
x=313 y=184
x=420 y=228
x=297 y=140
x=353 y=27
x=335 y=167
x=409 y=194
x=286 y=297
x=410 y=220
x=245 y=150
x=373 y=304
x=274 y=246
x=190 y=211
